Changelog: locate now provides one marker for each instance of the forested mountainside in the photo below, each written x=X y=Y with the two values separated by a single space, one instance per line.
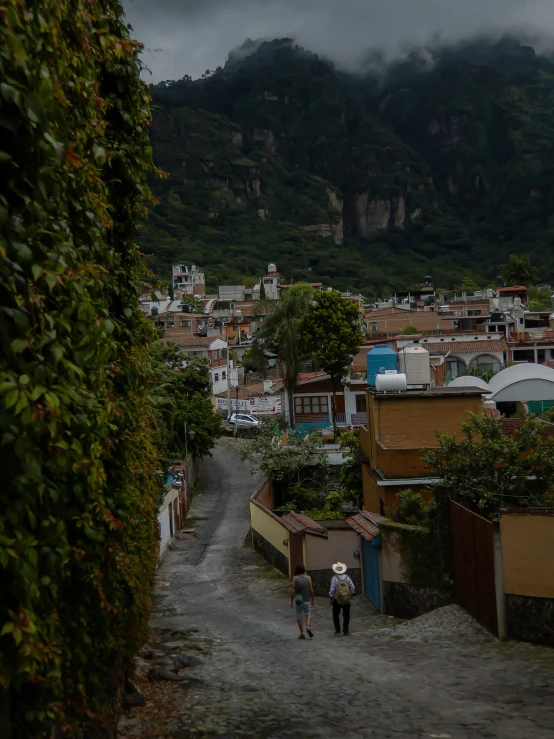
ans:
x=442 y=164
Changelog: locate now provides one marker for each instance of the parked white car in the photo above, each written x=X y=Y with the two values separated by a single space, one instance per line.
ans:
x=244 y=420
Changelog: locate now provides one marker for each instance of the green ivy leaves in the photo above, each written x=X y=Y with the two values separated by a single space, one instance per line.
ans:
x=78 y=500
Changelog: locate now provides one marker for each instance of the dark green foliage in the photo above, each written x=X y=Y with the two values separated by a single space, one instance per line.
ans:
x=420 y=533
x=350 y=471
x=488 y=470
x=519 y=271
x=183 y=395
x=331 y=335
x=79 y=492
x=456 y=157
x=281 y=333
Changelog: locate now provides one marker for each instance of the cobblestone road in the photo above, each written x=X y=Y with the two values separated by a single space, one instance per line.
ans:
x=439 y=676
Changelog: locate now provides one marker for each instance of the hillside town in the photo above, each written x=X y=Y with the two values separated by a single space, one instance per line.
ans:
x=455 y=340
x=276 y=370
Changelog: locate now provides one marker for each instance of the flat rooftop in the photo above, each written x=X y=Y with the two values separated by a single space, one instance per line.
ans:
x=438 y=392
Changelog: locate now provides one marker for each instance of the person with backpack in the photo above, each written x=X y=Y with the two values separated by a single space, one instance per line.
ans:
x=341 y=591
x=302 y=596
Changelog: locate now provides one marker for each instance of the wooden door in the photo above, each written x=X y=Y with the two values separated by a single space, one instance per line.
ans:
x=473 y=565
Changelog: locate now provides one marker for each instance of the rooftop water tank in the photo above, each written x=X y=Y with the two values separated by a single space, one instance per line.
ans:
x=414 y=362
x=379 y=360
x=391 y=383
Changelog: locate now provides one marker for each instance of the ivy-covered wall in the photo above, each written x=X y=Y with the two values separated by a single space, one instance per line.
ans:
x=78 y=491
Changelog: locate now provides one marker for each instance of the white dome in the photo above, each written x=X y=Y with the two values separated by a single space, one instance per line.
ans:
x=522 y=383
x=468 y=381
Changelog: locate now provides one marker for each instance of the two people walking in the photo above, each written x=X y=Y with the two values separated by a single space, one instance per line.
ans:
x=340 y=593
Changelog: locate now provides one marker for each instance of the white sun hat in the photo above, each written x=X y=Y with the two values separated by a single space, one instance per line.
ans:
x=339 y=568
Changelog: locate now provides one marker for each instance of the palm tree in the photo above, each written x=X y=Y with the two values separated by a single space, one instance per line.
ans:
x=519 y=271
x=281 y=332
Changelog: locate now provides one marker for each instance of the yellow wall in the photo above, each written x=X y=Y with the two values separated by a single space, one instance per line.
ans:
x=321 y=553
x=270 y=528
x=528 y=555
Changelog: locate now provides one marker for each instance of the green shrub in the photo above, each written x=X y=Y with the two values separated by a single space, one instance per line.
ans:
x=78 y=500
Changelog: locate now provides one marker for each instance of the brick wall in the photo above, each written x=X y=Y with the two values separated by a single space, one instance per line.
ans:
x=410 y=423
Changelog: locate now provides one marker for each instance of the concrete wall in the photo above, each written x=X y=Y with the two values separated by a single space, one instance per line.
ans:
x=269 y=527
x=391 y=564
x=321 y=553
x=163 y=519
x=528 y=554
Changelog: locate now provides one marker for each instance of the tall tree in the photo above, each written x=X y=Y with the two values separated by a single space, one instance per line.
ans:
x=281 y=332
x=181 y=395
x=519 y=270
x=488 y=469
x=331 y=334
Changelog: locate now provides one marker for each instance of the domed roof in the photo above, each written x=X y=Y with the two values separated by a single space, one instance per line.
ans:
x=468 y=381
x=523 y=382
x=519 y=372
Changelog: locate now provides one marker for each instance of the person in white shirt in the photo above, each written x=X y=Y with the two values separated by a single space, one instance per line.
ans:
x=341 y=591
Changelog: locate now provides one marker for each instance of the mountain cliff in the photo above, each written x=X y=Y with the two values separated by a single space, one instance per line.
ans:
x=440 y=164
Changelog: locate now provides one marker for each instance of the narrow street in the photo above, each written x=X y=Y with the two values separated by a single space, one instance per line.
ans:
x=438 y=677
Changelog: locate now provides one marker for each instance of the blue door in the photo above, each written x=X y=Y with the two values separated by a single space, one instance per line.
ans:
x=372 y=571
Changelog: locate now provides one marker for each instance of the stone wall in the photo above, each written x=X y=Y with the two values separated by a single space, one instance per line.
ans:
x=321 y=580
x=530 y=619
x=408 y=601
x=270 y=553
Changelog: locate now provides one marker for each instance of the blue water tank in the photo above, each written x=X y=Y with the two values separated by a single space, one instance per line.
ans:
x=379 y=359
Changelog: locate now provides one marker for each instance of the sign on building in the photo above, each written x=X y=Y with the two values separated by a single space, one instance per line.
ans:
x=260 y=405
x=264 y=404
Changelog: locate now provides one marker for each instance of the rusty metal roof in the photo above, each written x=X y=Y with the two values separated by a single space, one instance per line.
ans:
x=362 y=524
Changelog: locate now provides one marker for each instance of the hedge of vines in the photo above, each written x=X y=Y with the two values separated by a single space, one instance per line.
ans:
x=78 y=483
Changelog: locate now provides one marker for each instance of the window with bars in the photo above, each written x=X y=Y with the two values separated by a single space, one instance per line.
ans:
x=313 y=405
x=361 y=404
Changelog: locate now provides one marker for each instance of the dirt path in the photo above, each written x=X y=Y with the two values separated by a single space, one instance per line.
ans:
x=439 y=676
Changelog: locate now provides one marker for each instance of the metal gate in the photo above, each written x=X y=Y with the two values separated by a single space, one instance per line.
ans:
x=372 y=570
x=473 y=565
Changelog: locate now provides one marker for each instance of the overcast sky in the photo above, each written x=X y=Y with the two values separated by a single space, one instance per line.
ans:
x=190 y=36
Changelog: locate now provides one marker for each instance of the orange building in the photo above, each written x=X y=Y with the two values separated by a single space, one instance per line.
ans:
x=400 y=426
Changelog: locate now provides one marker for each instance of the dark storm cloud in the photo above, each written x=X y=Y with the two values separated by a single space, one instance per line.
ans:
x=190 y=36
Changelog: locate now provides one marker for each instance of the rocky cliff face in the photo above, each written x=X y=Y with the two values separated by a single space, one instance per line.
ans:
x=452 y=162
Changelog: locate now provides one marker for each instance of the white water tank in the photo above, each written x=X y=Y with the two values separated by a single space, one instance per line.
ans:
x=414 y=362
x=392 y=383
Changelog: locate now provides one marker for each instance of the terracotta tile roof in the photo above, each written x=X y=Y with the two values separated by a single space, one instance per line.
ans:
x=363 y=525
x=510 y=289
x=296 y=523
x=465 y=347
x=305 y=377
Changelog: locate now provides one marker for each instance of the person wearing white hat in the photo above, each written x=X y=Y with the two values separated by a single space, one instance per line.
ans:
x=341 y=591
